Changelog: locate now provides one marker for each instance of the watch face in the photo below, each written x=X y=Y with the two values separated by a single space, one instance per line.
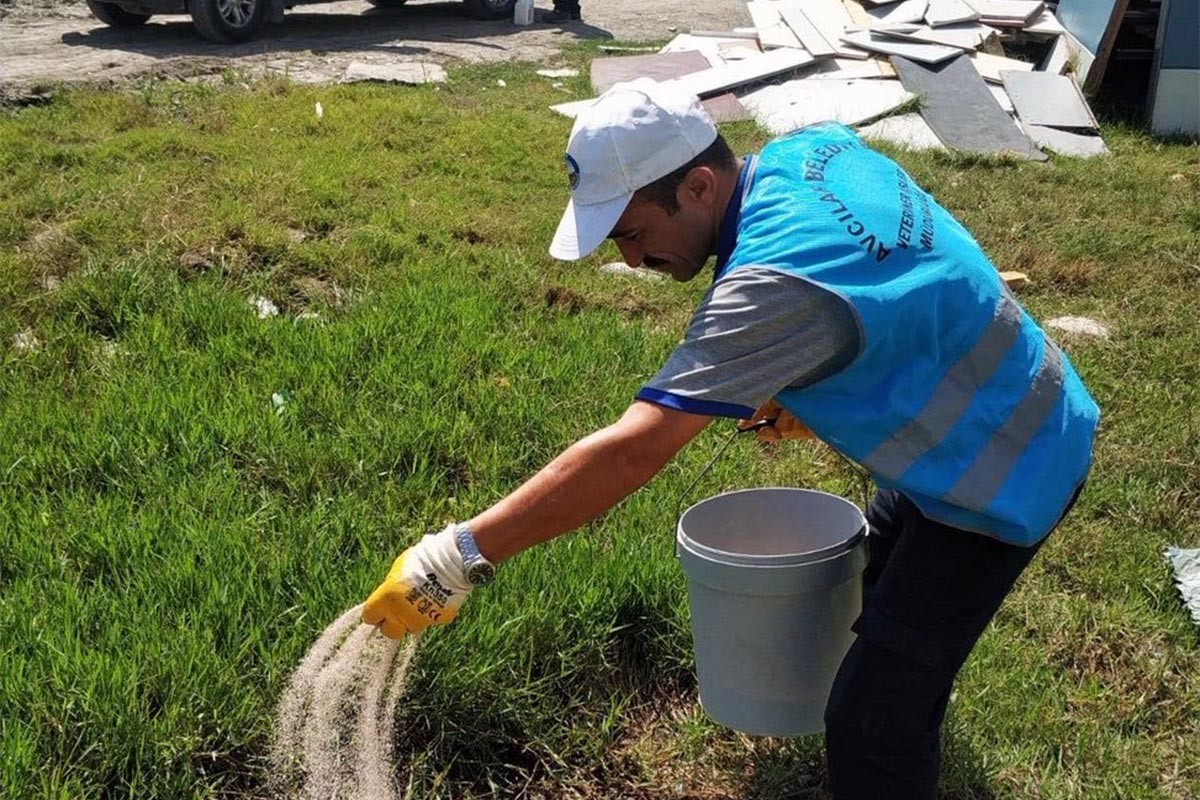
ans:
x=479 y=574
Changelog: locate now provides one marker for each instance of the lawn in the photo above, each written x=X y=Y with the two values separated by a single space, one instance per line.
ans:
x=191 y=492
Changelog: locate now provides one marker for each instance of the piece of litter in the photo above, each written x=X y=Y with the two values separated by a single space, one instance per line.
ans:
x=1080 y=325
x=565 y=72
x=26 y=342
x=500 y=82
x=411 y=72
x=618 y=268
x=1186 y=566
x=320 y=110
x=1015 y=280
x=280 y=399
x=264 y=306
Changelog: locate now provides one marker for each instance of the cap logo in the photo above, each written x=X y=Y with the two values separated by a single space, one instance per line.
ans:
x=572 y=172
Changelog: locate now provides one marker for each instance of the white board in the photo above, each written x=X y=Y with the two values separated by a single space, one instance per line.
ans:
x=906 y=11
x=782 y=108
x=1067 y=143
x=949 y=12
x=808 y=33
x=738 y=73
x=990 y=66
x=772 y=32
x=1017 y=13
x=832 y=19
x=907 y=130
x=845 y=68
x=1002 y=97
x=1046 y=23
x=925 y=53
x=1058 y=58
x=967 y=36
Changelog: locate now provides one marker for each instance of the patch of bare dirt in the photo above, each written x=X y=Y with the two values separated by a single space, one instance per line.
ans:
x=43 y=43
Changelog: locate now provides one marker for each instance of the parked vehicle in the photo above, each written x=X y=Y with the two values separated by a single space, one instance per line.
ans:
x=239 y=20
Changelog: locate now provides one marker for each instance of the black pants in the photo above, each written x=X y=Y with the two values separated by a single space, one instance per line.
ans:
x=929 y=592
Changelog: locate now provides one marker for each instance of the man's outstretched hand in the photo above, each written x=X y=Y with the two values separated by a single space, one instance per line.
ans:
x=786 y=426
x=425 y=586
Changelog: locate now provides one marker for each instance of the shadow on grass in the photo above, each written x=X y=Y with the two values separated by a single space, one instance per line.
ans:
x=794 y=769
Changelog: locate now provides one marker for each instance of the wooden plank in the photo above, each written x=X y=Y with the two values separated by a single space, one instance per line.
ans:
x=782 y=108
x=721 y=78
x=927 y=53
x=1043 y=98
x=1096 y=73
x=659 y=66
x=1015 y=280
x=949 y=12
x=962 y=112
x=772 y=32
x=990 y=66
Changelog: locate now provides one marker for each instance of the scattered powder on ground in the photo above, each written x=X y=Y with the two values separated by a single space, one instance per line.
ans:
x=335 y=722
x=324 y=740
x=290 y=716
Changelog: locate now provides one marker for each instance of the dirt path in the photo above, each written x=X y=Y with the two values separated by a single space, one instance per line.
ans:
x=314 y=43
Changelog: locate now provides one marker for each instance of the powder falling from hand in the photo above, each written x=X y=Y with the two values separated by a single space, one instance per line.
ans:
x=335 y=722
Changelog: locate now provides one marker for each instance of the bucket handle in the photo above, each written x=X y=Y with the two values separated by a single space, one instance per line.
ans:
x=762 y=423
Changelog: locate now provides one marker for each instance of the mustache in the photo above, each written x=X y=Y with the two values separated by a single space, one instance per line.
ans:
x=651 y=261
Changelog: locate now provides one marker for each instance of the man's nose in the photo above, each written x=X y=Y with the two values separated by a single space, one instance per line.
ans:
x=632 y=254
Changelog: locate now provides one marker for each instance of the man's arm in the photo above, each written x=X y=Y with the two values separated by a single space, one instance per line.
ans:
x=587 y=479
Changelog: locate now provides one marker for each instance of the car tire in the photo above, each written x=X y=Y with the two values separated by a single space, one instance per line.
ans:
x=115 y=16
x=490 y=9
x=227 y=20
x=387 y=3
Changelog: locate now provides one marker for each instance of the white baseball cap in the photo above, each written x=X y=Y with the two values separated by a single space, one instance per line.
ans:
x=634 y=134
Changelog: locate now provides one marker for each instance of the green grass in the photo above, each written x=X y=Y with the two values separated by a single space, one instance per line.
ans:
x=170 y=543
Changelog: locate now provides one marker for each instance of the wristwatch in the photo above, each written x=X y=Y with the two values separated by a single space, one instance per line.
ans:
x=476 y=569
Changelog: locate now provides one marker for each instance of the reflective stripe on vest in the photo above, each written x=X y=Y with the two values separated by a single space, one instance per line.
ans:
x=950 y=400
x=983 y=479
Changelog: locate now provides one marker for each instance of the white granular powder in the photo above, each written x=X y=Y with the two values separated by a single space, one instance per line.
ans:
x=335 y=721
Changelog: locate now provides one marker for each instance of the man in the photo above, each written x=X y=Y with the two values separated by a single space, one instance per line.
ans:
x=844 y=292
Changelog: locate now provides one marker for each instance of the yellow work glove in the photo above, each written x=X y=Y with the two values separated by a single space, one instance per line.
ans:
x=786 y=426
x=425 y=586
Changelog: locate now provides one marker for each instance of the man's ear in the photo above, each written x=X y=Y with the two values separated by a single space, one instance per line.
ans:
x=698 y=186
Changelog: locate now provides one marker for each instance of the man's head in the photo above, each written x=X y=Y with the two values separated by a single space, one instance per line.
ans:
x=649 y=170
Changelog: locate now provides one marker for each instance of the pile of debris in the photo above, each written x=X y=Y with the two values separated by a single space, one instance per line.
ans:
x=976 y=76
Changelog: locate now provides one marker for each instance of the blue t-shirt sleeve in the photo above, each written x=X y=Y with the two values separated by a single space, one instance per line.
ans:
x=757 y=331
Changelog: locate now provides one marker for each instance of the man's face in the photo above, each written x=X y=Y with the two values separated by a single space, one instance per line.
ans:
x=676 y=244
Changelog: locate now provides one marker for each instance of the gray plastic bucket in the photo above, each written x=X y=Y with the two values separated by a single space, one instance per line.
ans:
x=774 y=584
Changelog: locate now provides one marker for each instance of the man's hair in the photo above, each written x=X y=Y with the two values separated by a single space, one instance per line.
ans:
x=663 y=192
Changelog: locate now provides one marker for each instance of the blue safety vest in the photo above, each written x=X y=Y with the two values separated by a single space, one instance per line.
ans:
x=956 y=398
